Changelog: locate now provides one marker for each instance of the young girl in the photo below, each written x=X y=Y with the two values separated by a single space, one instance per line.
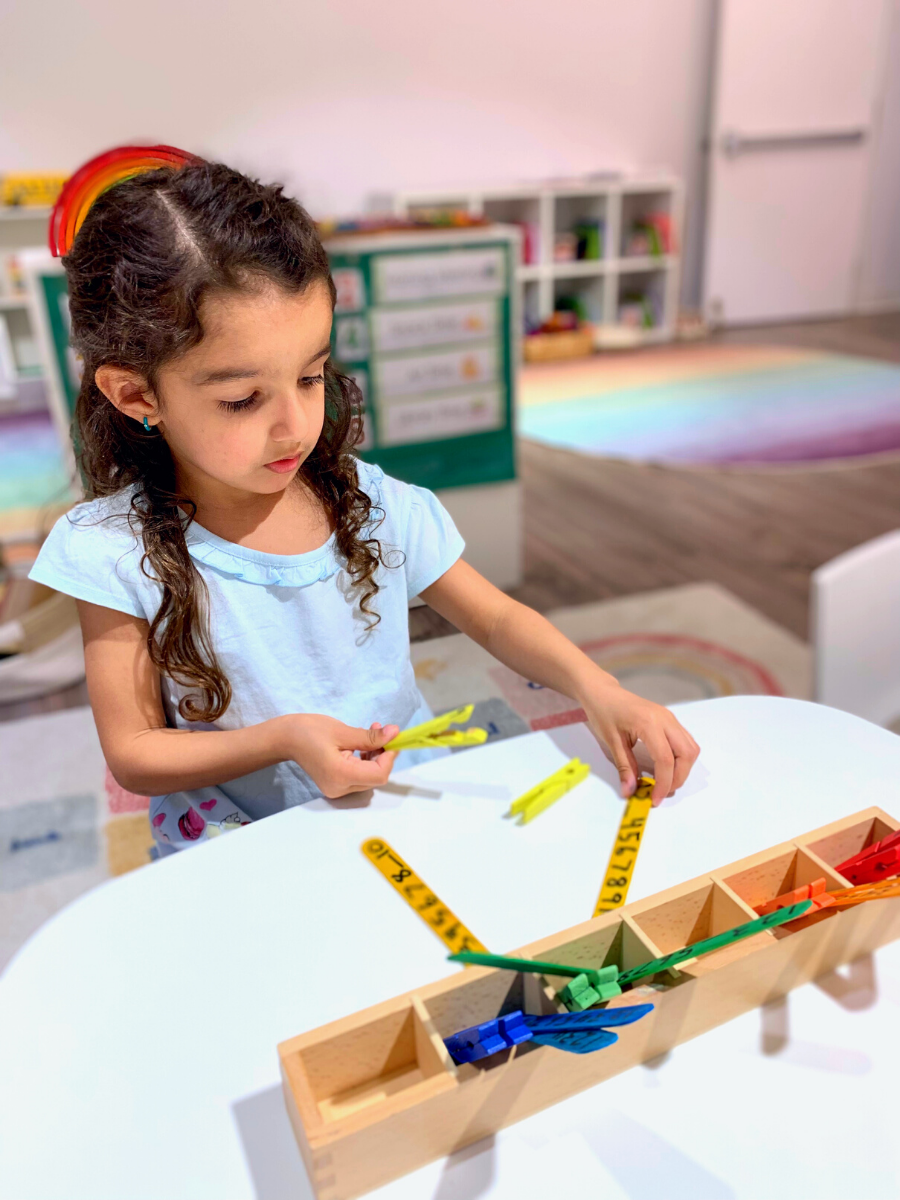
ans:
x=242 y=579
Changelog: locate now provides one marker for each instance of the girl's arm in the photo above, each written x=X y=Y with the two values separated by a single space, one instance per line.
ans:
x=528 y=644
x=148 y=758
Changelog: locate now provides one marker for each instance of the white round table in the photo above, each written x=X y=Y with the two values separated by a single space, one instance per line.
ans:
x=138 y=1028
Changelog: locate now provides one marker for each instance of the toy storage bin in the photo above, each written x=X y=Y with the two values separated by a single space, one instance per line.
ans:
x=836 y=847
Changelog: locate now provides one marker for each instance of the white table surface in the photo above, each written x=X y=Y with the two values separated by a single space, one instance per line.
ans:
x=138 y=1028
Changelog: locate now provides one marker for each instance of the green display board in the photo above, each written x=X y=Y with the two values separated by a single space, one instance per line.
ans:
x=424 y=328
x=55 y=295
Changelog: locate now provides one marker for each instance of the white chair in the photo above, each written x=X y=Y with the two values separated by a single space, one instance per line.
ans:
x=855 y=630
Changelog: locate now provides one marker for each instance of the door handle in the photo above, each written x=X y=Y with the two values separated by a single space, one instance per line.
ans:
x=733 y=143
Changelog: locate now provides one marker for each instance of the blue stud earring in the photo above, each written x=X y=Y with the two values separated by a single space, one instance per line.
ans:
x=146 y=425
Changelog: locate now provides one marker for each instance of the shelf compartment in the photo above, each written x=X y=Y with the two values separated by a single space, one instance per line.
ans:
x=639 y=206
x=589 y=290
x=762 y=882
x=693 y=915
x=573 y=211
x=388 y=1057
x=836 y=847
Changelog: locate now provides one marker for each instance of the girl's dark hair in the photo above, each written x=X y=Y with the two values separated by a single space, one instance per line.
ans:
x=148 y=252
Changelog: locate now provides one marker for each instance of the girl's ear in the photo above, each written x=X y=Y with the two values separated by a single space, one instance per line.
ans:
x=129 y=392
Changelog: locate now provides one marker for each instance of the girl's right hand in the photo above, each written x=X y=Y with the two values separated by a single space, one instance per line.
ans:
x=326 y=750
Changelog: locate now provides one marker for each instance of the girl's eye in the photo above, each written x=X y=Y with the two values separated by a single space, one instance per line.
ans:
x=309 y=381
x=234 y=406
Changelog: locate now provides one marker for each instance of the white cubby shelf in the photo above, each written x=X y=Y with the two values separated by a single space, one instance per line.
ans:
x=554 y=208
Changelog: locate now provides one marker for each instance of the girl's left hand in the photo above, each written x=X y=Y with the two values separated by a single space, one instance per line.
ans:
x=619 y=719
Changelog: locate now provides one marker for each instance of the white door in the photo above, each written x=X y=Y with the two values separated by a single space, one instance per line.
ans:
x=794 y=93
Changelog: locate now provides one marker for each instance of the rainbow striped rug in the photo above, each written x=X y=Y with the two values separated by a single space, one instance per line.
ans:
x=34 y=478
x=716 y=404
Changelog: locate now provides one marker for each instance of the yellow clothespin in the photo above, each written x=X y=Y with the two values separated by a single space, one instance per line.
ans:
x=551 y=789
x=437 y=732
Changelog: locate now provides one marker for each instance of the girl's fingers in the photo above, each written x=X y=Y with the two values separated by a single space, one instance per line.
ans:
x=374 y=738
x=624 y=762
x=686 y=751
x=663 y=764
x=360 y=774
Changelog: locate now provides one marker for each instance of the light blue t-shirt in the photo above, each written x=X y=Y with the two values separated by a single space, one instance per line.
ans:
x=286 y=631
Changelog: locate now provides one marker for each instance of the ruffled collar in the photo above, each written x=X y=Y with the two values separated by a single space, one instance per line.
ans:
x=254 y=566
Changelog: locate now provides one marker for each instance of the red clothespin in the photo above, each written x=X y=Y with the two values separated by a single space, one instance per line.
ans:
x=880 y=861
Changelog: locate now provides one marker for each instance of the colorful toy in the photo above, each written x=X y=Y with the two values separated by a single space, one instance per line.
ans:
x=880 y=861
x=377 y=1094
x=598 y=978
x=814 y=892
x=96 y=177
x=437 y=732
x=481 y=1041
x=548 y=791
x=577 y=1033
x=860 y=895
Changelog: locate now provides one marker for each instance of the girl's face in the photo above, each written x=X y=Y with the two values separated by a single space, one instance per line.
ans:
x=244 y=408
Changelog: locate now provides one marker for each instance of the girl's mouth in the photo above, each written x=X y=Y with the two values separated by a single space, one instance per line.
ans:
x=283 y=465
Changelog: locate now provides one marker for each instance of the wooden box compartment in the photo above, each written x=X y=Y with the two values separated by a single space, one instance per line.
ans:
x=758 y=884
x=376 y=1095
x=837 y=846
x=695 y=914
x=357 y=1068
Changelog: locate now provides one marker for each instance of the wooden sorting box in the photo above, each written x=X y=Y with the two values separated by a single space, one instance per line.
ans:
x=376 y=1095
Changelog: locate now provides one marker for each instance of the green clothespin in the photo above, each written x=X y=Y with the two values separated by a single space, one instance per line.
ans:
x=533 y=966
x=780 y=917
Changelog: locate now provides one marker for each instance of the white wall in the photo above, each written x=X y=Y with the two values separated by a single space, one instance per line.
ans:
x=879 y=275
x=340 y=98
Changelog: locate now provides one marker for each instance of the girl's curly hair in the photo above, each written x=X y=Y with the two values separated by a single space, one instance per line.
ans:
x=150 y=249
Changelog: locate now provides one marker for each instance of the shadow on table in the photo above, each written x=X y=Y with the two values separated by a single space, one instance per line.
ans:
x=468 y=1173
x=270 y=1147
x=854 y=988
x=277 y=1169
x=644 y=1164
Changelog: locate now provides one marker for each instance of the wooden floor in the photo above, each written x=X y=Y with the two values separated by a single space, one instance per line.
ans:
x=597 y=528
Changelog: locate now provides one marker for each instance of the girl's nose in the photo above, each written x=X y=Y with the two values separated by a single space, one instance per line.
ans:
x=290 y=420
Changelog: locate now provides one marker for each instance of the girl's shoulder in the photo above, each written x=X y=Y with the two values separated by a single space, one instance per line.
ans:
x=112 y=513
x=394 y=499
x=413 y=520
x=94 y=552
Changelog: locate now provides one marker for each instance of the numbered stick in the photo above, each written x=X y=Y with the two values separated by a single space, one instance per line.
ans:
x=420 y=898
x=617 y=879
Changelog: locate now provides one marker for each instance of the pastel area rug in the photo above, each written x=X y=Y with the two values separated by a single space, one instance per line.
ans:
x=66 y=826
x=34 y=481
x=716 y=405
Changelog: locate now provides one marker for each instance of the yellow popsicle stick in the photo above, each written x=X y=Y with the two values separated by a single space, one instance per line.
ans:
x=565 y=777
x=420 y=897
x=434 y=732
x=617 y=879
